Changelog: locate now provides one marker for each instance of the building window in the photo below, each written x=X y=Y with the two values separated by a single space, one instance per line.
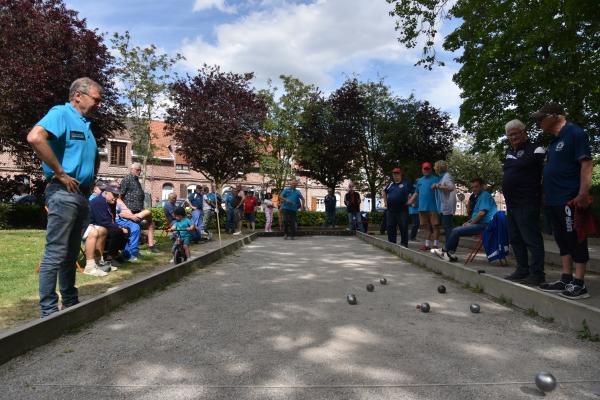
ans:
x=182 y=167
x=167 y=189
x=190 y=189
x=117 y=153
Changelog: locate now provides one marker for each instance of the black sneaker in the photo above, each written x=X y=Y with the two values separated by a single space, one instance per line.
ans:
x=153 y=249
x=533 y=280
x=517 y=277
x=553 y=287
x=105 y=266
x=574 y=292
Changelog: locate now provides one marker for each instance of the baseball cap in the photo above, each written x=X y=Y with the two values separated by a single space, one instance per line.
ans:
x=112 y=189
x=426 y=165
x=548 y=109
x=100 y=184
x=396 y=170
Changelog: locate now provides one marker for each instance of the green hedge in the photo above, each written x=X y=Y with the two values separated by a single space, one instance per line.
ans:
x=22 y=216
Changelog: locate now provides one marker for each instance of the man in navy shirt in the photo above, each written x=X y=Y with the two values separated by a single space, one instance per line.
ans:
x=567 y=180
x=170 y=207
x=196 y=202
x=64 y=143
x=330 y=203
x=291 y=200
x=103 y=213
x=395 y=198
x=522 y=189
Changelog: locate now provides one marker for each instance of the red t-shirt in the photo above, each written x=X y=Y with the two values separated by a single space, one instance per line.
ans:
x=249 y=204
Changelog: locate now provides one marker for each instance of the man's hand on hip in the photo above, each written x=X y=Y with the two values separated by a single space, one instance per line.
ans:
x=71 y=184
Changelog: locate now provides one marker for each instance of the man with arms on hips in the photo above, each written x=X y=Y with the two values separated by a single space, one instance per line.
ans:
x=429 y=217
x=395 y=199
x=133 y=196
x=291 y=200
x=484 y=210
x=446 y=195
x=64 y=143
x=522 y=189
x=352 y=203
x=567 y=179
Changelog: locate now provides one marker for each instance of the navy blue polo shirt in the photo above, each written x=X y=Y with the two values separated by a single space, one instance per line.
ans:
x=195 y=199
x=522 y=180
x=72 y=142
x=562 y=173
x=397 y=195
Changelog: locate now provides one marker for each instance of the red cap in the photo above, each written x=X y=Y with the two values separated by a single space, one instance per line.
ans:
x=426 y=165
x=396 y=171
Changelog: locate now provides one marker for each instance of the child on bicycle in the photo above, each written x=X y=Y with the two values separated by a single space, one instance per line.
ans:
x=183 y=228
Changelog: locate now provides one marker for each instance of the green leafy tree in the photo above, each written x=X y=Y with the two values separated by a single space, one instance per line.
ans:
x=280 y=135
x=145 y=75
x=329 y=136
x=515 y=56
x=465 y=166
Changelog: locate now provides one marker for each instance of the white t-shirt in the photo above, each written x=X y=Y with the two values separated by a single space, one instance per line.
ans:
x=447 y=199
x=267 y=203
x=205 y=206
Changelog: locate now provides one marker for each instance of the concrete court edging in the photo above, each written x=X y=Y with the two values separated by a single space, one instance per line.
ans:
x=21 y=339
x=570 y=313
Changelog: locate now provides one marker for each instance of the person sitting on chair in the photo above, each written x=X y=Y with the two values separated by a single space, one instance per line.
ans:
x=484 y=210
x=127 y=219
x=94 y=238
x=169 y=208
x=102 y=214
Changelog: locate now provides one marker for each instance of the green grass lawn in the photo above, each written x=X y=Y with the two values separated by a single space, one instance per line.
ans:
x=20 y=254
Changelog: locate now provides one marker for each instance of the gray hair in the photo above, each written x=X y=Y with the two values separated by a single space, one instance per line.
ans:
x=442 y=165
x=172 y=195
x=83 y=85
x=136 y=165
x=515 y=123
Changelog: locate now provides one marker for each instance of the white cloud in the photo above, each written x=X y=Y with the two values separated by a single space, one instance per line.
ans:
x=437 y=87
x=221 y=5
x=305 y=40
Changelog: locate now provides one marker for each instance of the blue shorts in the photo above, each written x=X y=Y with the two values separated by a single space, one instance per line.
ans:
x=251 y=217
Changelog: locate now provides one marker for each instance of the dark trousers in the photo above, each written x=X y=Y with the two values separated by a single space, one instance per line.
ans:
x=115 y=241
x=415 y=226
x=397 y=219
x=525 y=235
x=330 y=218
x=448 y=225
x=289 y=222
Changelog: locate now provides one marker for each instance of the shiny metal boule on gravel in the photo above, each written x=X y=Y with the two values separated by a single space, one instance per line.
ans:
x=370 y=287
x=351 y=299
x=425 y=307
x=383 y=281
x=442 y=289
x=475 y=308
x=545 y=381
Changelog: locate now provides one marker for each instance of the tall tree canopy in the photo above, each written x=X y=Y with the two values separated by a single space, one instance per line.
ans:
x=43 y=48
x=216 y=119
x=328 y=138
x=515 y=56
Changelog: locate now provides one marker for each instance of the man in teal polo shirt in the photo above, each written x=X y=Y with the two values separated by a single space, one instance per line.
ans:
x=291 y=200
x=482 y=214
x=64 y=143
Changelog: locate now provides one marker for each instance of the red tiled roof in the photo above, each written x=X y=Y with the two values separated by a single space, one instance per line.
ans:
x=160 y=140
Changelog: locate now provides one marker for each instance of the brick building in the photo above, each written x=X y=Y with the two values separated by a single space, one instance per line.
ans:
x=168 y=172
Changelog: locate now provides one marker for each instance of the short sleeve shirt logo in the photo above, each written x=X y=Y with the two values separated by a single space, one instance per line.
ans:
x=560 y=145
x=520 y=153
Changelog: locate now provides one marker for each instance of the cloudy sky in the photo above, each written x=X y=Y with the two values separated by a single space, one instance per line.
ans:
x=319 y=41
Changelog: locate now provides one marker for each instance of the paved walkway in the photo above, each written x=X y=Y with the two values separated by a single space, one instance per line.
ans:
x=271 y=322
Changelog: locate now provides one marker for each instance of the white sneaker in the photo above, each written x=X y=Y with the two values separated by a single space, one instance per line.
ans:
x=172 y=260
x=93 y=271
x=444 y=255
x=237 y=233
x=133 y=259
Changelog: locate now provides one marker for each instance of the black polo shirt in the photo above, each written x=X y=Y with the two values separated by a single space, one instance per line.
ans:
x=522 y=182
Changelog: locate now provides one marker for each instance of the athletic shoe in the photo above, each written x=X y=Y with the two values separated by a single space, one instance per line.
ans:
x=533 y=280
x=444 y=255
x=172 y=260
x=133 y=259
x=575 y=292
x=517 y=277
x=94 y=271
x=237 y=233
x=153 y=249
x=106 y=266
x=425 y=248
x=553 y=287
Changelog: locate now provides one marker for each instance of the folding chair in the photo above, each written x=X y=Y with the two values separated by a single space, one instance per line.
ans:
x=81 y=253
x=477 y=248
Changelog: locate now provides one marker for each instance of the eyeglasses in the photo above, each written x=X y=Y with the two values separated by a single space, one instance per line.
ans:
x=97 y=100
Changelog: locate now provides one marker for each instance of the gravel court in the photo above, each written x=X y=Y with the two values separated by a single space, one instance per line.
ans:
x=271 y=322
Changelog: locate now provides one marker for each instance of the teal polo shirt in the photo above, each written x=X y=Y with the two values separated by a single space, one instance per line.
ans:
x=72 y=142
x=485 y=201
x=426 y=200
x=292 y=195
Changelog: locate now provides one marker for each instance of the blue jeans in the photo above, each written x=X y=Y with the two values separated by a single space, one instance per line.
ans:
x=525 y=234
x=354 y=221
x=448 y=225
x=230 y=220
x=68 y=216
x=466 y=230
x=197 y=220
x=397 y=219
x=330 y=218
x=132 y=248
